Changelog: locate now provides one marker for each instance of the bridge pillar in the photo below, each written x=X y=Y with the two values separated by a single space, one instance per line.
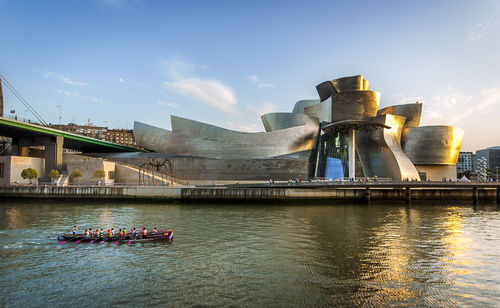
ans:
x=53 y=153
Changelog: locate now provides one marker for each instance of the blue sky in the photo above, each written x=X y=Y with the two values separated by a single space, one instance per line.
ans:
x=227 y=62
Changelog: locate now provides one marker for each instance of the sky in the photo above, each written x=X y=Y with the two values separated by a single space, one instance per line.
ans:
x=113 y=62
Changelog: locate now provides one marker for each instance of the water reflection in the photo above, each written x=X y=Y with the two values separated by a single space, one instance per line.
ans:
x=257 y=254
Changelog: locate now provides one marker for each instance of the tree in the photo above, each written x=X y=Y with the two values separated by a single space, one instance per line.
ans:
x=29 y=173
x=54 y=174
x=99 y=173
x=76 y=174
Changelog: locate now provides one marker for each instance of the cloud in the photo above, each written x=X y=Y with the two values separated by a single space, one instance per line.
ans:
x=447 y=108
x=47 y=74
x=253 y=78
x=66 y=80
x=483 y=28
x=63 y=78
x=489 y=98
x=249 y=128
x=78 y=96
x=179 y=69
x=120 y=80
x=172 y=105
x=266 y=85
x=258 y=111
x=211 y=92
x=207 y=91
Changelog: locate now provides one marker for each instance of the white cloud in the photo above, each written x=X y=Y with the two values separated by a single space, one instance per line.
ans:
x=258 y=111
x=211 y=92
x=47 y=74
x=266 y=85
x=168 y=104
x=489 y=97
x=208 y=91
x=66 y=80
x=253 y=78
x=447 y=108
x=78 y=96
x=120 y=80
x=483 y=28
x=249 y=128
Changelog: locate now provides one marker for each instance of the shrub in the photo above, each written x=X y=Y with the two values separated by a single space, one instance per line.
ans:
x=54 y=174
x=29 y=173
x=99 y=173
x=76 y=174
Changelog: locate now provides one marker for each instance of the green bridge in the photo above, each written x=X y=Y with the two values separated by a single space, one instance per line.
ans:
x=25 y=135
x=21 y=132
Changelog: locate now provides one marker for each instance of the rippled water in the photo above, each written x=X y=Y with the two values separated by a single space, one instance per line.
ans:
x=253 y=255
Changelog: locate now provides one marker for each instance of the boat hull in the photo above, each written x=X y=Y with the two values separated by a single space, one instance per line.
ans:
x=81 y=238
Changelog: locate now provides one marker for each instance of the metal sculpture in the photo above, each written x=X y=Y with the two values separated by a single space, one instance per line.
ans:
x=154 y=172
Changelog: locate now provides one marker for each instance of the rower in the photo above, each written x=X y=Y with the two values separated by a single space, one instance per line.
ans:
x=124 y=232
x=110 y=232
x=121 y=233
x=144 y=232
x=134 y=233
x=86 y=233
x=155 y=231
x=91 y=233
x=101 y=233
x=75 y=229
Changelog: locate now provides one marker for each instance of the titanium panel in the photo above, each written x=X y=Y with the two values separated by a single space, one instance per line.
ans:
x=355 y=105
x=380 y=150
x=352 y=83
x=325 y=90
x=434 y=145
x=300 y=105
x=322 y=111
x=281 y=120
x=225 y=144
x=412 y=113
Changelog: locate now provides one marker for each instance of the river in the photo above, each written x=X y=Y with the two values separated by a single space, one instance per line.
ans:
x=252 y=255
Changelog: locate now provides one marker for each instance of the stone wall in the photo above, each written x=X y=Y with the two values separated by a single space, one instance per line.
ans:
x=14 y=165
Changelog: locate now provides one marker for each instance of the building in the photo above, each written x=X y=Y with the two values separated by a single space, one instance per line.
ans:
x=492 y=155
x=343 y=133
x=120 y=136
x=465 y=161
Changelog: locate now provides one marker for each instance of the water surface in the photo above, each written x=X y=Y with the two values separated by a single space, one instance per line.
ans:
x=253 y=255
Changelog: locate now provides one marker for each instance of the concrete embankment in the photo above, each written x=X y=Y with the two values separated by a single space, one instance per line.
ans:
x=283 y=192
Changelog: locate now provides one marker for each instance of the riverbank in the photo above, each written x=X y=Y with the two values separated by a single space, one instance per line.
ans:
x=346 y=191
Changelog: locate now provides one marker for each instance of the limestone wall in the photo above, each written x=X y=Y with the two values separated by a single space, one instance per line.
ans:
x=14 y=165
x=88 y=165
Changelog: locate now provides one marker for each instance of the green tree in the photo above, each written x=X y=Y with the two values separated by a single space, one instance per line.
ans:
x=54 y=174
x=75 y=174
x=99 y=173
x=29 y=173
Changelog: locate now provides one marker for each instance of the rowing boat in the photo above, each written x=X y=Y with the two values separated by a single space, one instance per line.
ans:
x=81 y=238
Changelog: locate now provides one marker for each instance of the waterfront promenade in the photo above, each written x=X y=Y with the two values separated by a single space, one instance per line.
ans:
x=342 y=191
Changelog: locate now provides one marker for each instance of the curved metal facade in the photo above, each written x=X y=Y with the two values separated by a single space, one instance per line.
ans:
x=380 y=150
x=302 y=104
x=281 y=120
x=322 y=111
x=412 y=113
x=354 y=105
x=388 y=142
x=434 y=145
x=225 y=144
